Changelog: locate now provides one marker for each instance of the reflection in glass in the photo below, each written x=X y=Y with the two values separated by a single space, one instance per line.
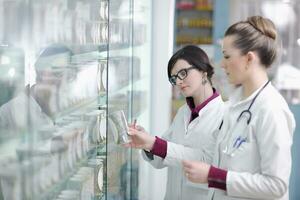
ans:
x=118 y=127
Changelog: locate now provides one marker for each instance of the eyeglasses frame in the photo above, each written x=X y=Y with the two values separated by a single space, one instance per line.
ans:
x=175 y=76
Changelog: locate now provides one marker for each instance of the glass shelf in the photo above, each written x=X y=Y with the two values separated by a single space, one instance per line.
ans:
x=90 y=103
x=65 y=66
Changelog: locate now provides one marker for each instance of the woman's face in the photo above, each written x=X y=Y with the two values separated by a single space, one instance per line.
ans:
x=233 y=62
x=192 y=83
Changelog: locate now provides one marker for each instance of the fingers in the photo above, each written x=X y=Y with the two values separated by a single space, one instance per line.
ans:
x=187 y=175
x=187 y=164
x=189 y=170
x=131 y=125
x=135 y=126
x=132 y=131
x=136 y=131
x=187 y=167
x=140 y=128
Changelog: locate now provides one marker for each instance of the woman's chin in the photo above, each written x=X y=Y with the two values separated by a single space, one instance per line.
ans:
x=185 y=94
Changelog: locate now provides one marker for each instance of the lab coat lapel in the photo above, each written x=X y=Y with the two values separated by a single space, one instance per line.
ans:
x=186 y=118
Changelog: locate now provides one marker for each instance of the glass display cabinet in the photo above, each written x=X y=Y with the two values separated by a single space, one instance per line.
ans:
x=66 y=67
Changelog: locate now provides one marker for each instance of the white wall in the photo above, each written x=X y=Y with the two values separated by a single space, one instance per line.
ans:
x=152 y=183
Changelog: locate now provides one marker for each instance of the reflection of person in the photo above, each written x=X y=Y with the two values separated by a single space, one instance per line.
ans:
x=37 y=103
x=14 y=114
x=195 y=124
x=29 y=112
x=17 y=117
x=253 y=154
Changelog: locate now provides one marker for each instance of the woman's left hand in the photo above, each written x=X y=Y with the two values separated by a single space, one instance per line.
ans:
x=196 y=171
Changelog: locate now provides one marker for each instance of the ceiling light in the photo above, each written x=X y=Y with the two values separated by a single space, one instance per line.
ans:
x=298 y=41
x=282 y=14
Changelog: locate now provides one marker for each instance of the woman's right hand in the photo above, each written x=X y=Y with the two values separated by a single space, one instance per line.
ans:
x=137 y=127
x=140 y=139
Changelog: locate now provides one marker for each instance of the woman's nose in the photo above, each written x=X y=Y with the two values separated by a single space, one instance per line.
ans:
x=178 y=81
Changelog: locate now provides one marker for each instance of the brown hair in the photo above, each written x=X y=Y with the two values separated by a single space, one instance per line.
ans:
x=256 y=34
x=195 y=56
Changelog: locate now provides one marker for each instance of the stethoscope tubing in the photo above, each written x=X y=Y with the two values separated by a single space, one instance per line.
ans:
x=239 y=140
x=248 y=112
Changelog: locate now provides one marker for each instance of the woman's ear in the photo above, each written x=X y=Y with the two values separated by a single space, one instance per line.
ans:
x=204 y=78
x=251 y=56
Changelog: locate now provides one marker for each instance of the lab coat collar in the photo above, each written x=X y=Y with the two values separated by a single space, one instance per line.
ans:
x=187 y=112
x=195 y=110
x=237 y=95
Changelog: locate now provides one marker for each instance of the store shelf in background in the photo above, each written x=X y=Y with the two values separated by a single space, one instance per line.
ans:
x=125 y=88
x=119 y=70
x=195 y=8
x=185 y=5
x=51 y=172
x=81 y=182
x=86 y=54
x=86 y=58
x=194 y=23
x=94 y=102
x=121 y=102
x=202 y=5
x=189 y=39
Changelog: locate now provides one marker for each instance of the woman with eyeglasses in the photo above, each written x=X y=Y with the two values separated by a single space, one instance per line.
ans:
x=253 y=155
x=195 y=124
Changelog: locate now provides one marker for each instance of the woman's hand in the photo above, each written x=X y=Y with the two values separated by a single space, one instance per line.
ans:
x=140 y=139
x=196 y=171
x=137 y=127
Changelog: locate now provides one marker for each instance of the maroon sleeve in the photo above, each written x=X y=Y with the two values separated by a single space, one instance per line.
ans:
x=159 y=147
x=217 y=178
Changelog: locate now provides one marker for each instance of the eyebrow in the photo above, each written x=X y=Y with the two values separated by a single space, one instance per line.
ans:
x=182 y=69
x=175 y=73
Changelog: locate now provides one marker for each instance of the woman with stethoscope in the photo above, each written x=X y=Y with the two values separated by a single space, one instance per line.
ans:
x=253 y=155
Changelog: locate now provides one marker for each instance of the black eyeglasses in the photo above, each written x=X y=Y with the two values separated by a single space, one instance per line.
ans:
x=181 y=74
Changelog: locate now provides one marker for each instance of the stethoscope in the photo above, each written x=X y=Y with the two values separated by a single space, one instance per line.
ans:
x=245 y=116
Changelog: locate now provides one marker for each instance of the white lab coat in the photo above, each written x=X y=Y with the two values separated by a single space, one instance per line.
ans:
x=14 y=117
x=200 y=133
x=260 y=167
x=14 y=114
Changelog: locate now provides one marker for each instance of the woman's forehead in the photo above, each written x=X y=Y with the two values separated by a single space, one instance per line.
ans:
x=180 y=64
x=228 y=45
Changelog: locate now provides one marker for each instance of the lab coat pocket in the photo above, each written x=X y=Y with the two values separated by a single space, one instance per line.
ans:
x=246 y=146
x=246 y=140
x=243 y=147
x=246 y=157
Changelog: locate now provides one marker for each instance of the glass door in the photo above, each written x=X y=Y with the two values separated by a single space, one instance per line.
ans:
x=53 y=104
x=128 y=89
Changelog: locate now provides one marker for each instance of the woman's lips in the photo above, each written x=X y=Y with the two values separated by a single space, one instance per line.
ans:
x=182 y=88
